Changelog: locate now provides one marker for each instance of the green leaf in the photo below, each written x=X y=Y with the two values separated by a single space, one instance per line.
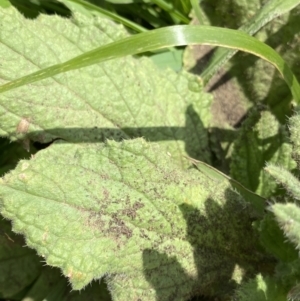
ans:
x=11 y=153
x=94 y=292
x=5 y=3
x=285 y=178
x=44 y=284
x=294 y=124
x=262 y=139
x=169 y=7
x=261 y=289
x=273 y=239
x=23 y=275
x=19 y=266
x=166 y=38
x=168 y=59
x=126 y=212
x=98 y=102
x=246 y=80
x=88 y=8
x=288 y=217
x=32 y=8
x=52 y=286
x=258 y=202
x=288 y=273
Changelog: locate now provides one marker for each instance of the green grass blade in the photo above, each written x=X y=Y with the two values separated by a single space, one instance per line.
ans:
x=171 y=10
x=106 y=13
x=164 y=38
x=267 y=13
x=196 y=7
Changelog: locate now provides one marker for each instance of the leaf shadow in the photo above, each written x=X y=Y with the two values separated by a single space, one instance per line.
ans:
x=196 y=137
x=224 y=245
x=32 y=9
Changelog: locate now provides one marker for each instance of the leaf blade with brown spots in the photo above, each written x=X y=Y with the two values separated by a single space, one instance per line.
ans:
x=126 y=212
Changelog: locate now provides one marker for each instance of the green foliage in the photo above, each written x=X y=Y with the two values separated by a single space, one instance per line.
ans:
x=114 y=199
x=252 y=80
x=274 y=241
x=271 y=10
x=262 y=139
x=95 y=103
x=18 y=265
x=11 y=154
x=261 y=289
x=156 y=211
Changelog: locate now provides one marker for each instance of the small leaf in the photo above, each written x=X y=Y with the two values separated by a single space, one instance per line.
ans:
x=126 y=212
x=288 y=217
x=261 y=289
x=285 y=178
x=272 y=238
x=262 y=139
x=294 y=123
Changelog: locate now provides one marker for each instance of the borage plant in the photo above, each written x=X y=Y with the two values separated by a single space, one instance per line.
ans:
x=127 y=191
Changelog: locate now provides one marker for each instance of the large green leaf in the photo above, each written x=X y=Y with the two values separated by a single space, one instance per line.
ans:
x=127 y=212
x=262 y=139
x=165 y=38
x=120 y=99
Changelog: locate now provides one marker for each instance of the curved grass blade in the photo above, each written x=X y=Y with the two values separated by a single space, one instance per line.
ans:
x=164 y=38
x=198 y=12
x=267 y=13
x=108 y=14
x=171 y=10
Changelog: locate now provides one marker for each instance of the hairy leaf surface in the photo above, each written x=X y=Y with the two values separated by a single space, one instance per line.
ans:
x=294 y=123
x=274 y=241
x=126 y=212
x=288 y=217
x=123 y=98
